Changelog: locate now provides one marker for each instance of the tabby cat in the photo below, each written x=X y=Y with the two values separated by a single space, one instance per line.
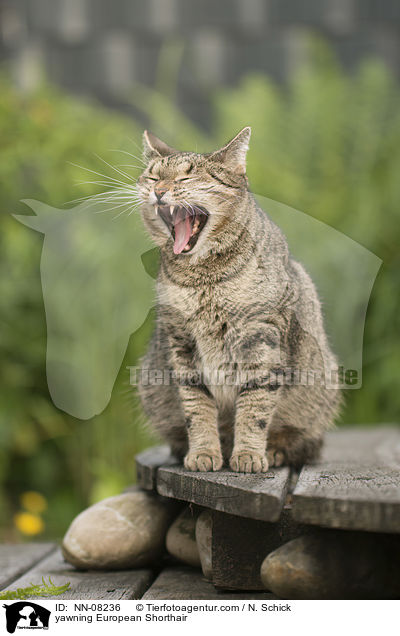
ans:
x=238 y=320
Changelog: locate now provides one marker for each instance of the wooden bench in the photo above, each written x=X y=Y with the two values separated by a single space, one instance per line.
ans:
x=355 y=486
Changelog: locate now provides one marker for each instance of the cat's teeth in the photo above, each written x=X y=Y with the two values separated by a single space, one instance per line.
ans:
x=171 y=209
x=157 y=210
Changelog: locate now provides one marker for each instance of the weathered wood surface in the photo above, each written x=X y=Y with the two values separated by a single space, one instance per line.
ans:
x=183 y=583
x=125 y=584
x=356 y=483
x=15 y=559
x=259 y=496
x=239 y=546
x=147 y=463
x=255 y=496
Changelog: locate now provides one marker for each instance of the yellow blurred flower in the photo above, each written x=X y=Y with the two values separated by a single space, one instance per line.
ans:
x=28 y=523
x=33 y=501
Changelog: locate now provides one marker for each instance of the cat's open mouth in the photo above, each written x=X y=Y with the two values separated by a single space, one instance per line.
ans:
x=184 y=224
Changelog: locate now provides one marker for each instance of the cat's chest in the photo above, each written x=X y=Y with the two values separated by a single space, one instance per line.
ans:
x=217 y=325
x=216 y=319
x=220 y=319
x=216 y=331
x=220 y=322
x=207 y=312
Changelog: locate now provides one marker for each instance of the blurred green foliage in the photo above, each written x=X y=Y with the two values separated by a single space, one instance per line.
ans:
x=72 y=463
x=327 y=144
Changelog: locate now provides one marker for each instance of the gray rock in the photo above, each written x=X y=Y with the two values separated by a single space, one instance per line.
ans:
x=181 y=539
x=125 y=531
x=204 y=542
x=335 y=565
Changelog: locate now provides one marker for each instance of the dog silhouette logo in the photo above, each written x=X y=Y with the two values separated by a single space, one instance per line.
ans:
x=26 y=615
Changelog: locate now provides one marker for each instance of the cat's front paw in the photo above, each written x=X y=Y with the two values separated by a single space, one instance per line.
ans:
x=248 y=462
x=203 y=461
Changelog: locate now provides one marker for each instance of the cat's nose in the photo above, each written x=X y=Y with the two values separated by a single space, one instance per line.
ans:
x=159 y=192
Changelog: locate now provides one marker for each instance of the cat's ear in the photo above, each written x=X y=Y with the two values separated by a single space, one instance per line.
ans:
x=153 y=147
x=233 y=155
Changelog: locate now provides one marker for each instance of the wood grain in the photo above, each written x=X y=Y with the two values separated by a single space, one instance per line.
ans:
x=182 y=583
x=15 y=559
x=124 y=584
x=259 y=496
x=147 y=463
x=356 y=483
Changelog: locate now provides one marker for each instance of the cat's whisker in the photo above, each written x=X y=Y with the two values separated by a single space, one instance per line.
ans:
x=108 y=209
x=134 y=208
x=108 y=194
x=190 y=206
x=101 y=183
x=140 y=157
x=121 y=172
x=125 y=152
x=100 y=174
x=131 y=208
x=130 y=165
x=118 y=215
x=109 y=182
x=115 y=207
x=139 y=148
x=79 y=200
x=119 y=202
x=106 y=197
x=120 y=190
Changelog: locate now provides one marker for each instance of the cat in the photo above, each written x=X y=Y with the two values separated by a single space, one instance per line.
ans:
x=234 y=312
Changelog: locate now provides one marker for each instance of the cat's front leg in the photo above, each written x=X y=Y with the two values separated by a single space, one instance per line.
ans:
x=196 y=404
x=255 y=406
x=201 y=421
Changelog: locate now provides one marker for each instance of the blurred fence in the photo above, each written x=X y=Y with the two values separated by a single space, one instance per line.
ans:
x=101 y=48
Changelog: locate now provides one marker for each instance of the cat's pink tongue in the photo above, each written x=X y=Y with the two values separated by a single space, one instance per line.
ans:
x=183 y=230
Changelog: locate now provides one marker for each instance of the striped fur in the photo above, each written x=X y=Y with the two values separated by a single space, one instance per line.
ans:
x=238 y=304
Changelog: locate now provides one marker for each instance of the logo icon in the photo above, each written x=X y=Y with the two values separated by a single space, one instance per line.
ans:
x=26 y=615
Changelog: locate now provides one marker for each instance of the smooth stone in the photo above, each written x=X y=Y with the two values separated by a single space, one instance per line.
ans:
x=181 y=538
x=204 y=542
x=335 y=565
x=125 y=531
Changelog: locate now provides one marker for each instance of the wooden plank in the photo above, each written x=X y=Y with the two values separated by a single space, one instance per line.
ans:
x=15 y=559
x=93 y=584
x=147 y=463
x=182 y=583
x=356 y=484
x=239 y=546
x=259 y=496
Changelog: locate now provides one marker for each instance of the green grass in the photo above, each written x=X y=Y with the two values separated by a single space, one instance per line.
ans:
x=42 y=590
